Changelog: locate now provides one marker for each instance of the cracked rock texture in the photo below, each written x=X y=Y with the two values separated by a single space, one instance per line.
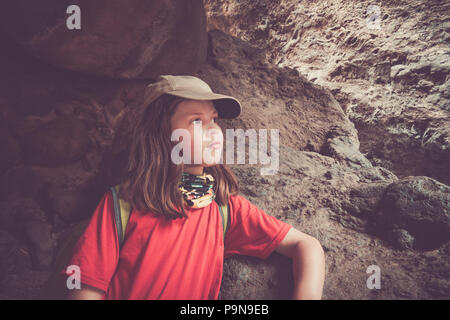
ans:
x=388 y=66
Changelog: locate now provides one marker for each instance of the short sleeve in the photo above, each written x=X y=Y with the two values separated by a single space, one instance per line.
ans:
x=252 y=232
x=97 y=251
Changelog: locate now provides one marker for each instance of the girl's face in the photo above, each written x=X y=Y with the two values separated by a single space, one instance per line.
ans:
x=207 y=136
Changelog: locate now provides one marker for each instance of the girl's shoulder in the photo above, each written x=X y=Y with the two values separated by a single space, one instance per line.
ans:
x=238 y=201
x=233 y=198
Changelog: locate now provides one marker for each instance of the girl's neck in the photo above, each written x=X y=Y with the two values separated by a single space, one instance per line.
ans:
x=197 y=170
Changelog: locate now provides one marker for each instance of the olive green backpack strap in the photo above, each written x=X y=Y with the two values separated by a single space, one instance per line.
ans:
x=122 y=211
x=225 y=214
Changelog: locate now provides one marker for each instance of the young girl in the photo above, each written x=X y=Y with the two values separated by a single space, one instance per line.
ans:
x=174 y=246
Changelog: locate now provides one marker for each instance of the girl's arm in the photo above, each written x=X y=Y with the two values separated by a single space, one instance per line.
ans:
x=308 y=261
x=85 y=293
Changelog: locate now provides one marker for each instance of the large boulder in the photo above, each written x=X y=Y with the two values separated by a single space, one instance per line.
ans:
x=119 y=39
x=419 y=206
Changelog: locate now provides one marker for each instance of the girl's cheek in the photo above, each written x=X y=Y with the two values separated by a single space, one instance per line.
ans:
x=196 y=141
x=213 y=135
x=203 y=138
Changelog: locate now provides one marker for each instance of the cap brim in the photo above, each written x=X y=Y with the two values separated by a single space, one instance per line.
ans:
x=227 y=106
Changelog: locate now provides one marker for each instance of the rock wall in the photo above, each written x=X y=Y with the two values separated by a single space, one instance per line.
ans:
x=64 y=135
x=386 y=63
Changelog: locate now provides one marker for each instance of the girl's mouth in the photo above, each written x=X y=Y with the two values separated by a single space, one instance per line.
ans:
x=214 y=145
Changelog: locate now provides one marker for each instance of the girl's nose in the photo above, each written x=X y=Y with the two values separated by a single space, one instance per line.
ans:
x=211 y=133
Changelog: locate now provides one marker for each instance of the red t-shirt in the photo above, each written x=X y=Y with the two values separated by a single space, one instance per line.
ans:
x=179 y=259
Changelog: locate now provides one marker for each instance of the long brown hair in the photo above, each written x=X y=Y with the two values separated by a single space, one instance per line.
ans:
x=152 y=179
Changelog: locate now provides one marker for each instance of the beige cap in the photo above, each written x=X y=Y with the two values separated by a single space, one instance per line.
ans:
x=191 y=87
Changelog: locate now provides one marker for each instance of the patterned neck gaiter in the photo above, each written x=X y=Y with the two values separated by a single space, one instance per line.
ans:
x=198 y=190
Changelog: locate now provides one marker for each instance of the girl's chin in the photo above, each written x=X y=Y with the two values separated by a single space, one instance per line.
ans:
x=205 y=165
x=214 y=158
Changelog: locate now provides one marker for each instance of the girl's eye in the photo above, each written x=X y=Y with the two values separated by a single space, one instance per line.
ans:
x=198 y=119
